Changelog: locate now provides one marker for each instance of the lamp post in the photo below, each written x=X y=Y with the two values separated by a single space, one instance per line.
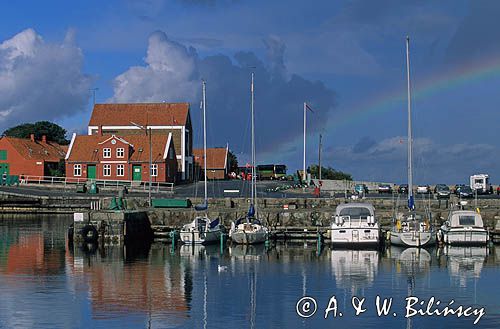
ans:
x=150 y=155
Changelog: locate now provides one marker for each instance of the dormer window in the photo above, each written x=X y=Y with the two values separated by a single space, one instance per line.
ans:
x=120 y=152
x=106 y=153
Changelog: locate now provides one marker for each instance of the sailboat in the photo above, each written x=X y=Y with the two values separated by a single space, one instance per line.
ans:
x=411 y=229
x=202 y=230
x=249 y=229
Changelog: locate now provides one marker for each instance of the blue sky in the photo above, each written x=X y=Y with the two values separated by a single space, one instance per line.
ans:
x=340 y=56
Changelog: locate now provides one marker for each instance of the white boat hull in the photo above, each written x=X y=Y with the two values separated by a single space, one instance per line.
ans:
x=412 y=238
x=460 y=236
x=242 y=237
x=197 y=237
x=355 y=236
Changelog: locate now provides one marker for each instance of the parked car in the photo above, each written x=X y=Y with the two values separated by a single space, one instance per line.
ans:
x=403 y=189
x=442 y=191
x=423 y=189
x=384 y=188
x=466 y=192
x=361 y=188
x=457 y=188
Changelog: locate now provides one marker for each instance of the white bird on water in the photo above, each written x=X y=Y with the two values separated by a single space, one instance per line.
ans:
x=221 y=268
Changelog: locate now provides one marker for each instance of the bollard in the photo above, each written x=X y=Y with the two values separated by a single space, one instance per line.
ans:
x=319 y=243
x=221 y=243
x=267 y=240
x=172 y=237
x=192 y=238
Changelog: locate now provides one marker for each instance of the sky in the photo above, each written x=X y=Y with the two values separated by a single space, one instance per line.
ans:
x=345 y=58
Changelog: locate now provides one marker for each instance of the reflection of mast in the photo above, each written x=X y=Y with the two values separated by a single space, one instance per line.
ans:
x=253 y=298
x=205 y=314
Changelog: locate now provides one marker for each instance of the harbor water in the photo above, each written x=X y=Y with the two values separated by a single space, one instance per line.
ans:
x=47 y=283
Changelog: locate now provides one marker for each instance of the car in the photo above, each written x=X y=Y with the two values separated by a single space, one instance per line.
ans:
x=403 y=189
x=442 y=191
x=361 y=188
x=457 y=188
x=384 y=188
x=466 y=192
x=423 y=189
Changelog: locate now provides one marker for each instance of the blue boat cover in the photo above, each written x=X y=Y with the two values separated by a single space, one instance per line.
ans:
x=214 y=223
x=203 y=206
x=251 y=211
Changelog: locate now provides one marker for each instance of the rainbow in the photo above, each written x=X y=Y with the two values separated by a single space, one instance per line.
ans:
x=439 y=82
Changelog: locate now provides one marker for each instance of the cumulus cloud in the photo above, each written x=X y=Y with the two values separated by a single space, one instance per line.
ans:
x=433 y=162
x=40 y=80
x=173 y=72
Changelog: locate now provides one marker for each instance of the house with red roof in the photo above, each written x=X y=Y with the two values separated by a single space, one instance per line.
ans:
x=111 y=157
x=161 y=118
x=217 y=162
x=30 y=157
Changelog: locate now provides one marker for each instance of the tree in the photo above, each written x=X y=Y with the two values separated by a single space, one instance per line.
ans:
x=52 y=131
x=233 y=162
x=329 y=173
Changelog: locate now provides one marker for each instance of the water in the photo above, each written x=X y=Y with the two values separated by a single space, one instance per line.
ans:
x=45 y=284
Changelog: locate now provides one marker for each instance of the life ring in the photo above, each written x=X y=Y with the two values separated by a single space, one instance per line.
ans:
x=89 y=233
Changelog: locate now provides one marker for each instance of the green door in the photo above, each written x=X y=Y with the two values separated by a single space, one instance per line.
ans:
x=137 y=173
x=4 y=168
x=91 y=171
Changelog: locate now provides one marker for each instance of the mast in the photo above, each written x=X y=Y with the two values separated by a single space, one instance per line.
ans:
x=253 y=144
x=204 y=137
x=304 y=177
x=410 y=141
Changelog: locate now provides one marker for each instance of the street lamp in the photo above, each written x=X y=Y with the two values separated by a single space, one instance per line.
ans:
x=150 y=156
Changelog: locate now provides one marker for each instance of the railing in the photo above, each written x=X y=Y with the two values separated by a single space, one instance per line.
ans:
x=135 y=186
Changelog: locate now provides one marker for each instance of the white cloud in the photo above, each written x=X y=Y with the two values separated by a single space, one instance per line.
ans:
x=173 y=73
x=40 y=80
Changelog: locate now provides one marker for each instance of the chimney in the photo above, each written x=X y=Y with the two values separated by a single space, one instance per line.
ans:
x=100 y=131
x=44 y=139
x=32 y=137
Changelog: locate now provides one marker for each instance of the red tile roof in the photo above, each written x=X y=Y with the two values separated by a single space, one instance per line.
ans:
x=84 y=146
x=37 y=150
x=156 y=114
x=216 y=157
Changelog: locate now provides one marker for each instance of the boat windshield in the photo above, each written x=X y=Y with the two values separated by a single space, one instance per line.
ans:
x=355 y=212
x=466 y=220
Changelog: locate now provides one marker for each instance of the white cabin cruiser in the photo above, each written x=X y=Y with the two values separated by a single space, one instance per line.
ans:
x=355 y=224
x=201 y=230
x=463 y=227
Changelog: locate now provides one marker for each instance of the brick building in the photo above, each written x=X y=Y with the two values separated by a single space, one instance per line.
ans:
x=30 y=157
x=162 y=118
x=217 y=162
x=122 y=158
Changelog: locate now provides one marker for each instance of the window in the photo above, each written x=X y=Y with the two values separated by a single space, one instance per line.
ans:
x=171 y=154
x=3 y=154
x=106 y=170
x=154 y=170
x=120 y=170
x=77 y=170
x=466 y=220
x=120 y=152
x=106 y=152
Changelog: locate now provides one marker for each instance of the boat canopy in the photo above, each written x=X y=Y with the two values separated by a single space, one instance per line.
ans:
x=465 y=218
x=355 y=210
x=249 y=220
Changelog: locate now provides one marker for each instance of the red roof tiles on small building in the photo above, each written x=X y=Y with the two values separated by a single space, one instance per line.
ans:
x=37 y=150
x=216 y=157
x=151 y=114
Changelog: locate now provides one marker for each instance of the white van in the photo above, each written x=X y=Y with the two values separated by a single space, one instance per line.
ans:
x=480 y=183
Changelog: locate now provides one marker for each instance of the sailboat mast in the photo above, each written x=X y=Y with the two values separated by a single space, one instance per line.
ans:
x=204 y=136
x=410 y=137
x=253 y=144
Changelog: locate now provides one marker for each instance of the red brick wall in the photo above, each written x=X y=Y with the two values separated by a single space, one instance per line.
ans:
x=19 y=165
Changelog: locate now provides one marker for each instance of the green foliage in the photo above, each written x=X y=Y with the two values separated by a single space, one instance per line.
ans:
x=233 y=162
x=329 y=173
x=54 y=132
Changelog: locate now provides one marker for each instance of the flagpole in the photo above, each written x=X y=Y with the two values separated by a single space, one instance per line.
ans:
x=304 y=159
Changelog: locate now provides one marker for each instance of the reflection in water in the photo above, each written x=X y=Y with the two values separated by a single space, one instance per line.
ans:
x=465 y=262
x=157 y=287
x=354 y=269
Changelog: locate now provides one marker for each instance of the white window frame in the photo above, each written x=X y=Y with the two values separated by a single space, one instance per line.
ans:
x=106 y=169
x=154 y=170
x=120 y=170
x=120 y=152
x=106 y=151
x=77 y=170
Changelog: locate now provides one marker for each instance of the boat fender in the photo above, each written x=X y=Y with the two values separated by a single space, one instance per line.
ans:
x=89 y=233
x=388 y=235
